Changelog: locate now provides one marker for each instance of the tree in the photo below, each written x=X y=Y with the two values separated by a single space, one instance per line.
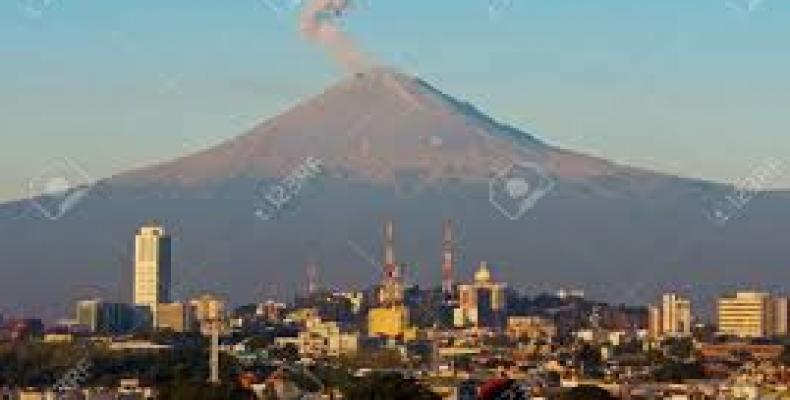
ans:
x=784 y=358
x=198 y=390
x=677 y=372
x=679 y=348
x=388 y=387
x=375 y=359
x=589 y=357
x=586 y=392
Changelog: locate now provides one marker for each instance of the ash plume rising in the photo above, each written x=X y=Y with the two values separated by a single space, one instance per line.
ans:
x=318 y=22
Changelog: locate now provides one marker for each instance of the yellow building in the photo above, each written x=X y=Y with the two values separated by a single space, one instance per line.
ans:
x=391 y=318
x=391 y=322
x=746 y=315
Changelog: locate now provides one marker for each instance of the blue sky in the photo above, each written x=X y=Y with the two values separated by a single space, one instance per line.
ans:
x=697 y=88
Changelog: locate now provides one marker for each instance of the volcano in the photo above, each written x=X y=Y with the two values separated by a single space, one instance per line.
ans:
x=317 y=183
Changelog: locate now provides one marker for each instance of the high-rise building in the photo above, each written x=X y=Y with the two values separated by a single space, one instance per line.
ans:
x=781 y=311
x=89 y=314
x=672 y=318
x=654 y=321
x=103 y=317
x=748 y=315
x=675 y=315
x=152 y=267
x=482 y=302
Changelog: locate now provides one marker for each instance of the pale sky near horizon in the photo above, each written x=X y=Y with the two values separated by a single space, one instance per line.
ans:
x=695 y=88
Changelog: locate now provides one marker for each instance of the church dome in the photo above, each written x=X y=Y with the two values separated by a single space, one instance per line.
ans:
x=483 y=274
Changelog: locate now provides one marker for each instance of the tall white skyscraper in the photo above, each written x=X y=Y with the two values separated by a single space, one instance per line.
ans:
x=152 y=267
x=671 y=318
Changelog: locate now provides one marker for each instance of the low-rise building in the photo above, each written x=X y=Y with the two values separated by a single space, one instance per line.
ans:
x=209 y=311
x=531 y=327
x=746 y=315
x=723 y=351
x=99 y=316
x=322 y=339
x=178 y=317
x=391 y=322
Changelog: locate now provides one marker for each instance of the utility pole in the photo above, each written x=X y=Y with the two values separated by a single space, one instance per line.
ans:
x=214 y=352
x=312 y=278
x=447 y=261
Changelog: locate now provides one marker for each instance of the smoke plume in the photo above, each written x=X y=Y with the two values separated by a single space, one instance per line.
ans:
x=318 y=23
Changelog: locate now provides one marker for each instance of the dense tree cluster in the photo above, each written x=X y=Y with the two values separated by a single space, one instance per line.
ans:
x=388 y=387
x=585 y=392
x=41 y=365
x=200 y=390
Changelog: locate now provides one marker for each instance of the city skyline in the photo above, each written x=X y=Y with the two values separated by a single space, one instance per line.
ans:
x=151 y=240
x=477 y=327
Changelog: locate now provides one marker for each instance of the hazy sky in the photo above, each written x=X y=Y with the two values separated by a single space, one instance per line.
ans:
x=698 y=88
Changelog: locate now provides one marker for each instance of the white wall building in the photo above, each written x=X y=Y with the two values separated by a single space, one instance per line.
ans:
x=152 y=267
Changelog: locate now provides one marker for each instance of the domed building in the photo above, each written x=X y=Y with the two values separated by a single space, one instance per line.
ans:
x=482 y=302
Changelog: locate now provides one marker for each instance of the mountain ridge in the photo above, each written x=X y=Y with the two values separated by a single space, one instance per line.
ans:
x=392 y=146
x=373 y=94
